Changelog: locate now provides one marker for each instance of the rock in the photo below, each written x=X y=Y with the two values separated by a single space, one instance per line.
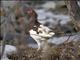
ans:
x=60 y=4
x=5 y=58
x=53 y=4
x=47 y=16
x=55 y=20
x=9 y=50
x=79 y=3
x=49 y=5
x=41 y=14
x=64 y=18
x=63 y=39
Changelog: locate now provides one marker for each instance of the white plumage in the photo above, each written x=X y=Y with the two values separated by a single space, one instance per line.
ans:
x=44 y=32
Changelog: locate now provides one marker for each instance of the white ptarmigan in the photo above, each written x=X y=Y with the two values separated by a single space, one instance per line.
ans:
x=41 y=32
x=44 y=34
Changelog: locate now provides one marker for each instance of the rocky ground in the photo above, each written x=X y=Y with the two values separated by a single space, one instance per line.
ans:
x=66 y=51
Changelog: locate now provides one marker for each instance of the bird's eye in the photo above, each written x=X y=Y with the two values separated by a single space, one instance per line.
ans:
x=40 y=31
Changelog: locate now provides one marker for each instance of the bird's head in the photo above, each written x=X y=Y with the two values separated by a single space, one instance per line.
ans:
x=30 y=12
x=32 y=15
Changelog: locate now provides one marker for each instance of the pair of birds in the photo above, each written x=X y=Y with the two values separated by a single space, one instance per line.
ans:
x=36 y=30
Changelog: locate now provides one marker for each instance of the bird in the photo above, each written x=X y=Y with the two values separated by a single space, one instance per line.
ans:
x=42 y=37
x=38 y=31
x=33 y=21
